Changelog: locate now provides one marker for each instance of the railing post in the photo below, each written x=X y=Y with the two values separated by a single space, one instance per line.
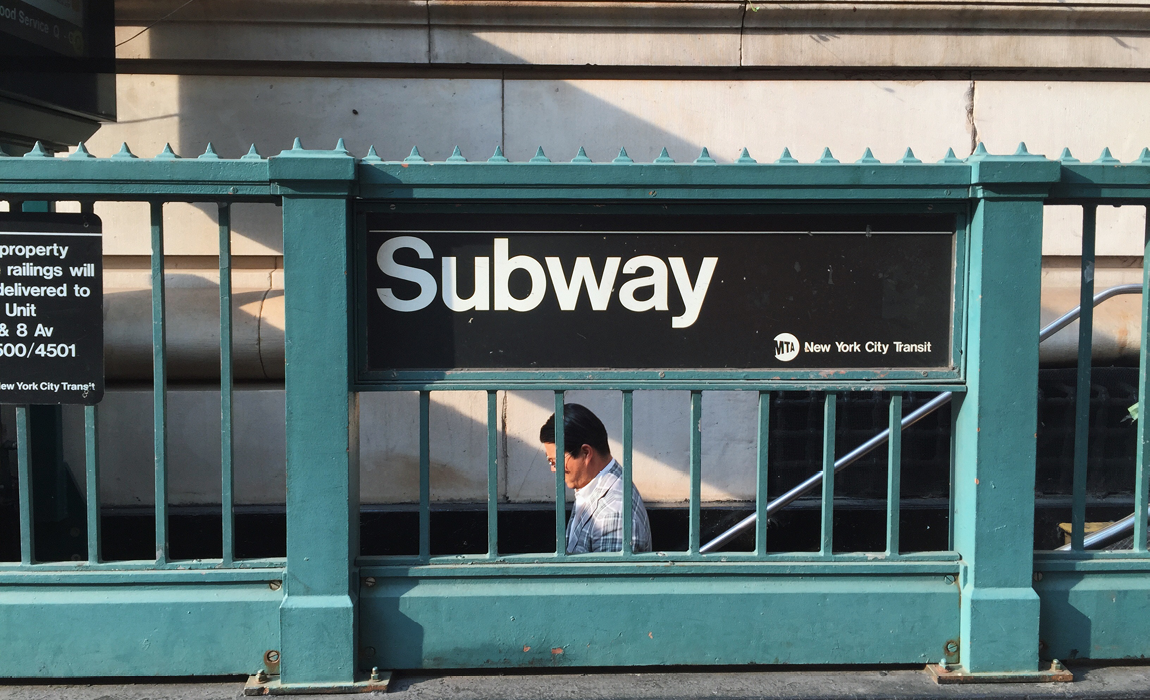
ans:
x=995 y=444
x=318 y=613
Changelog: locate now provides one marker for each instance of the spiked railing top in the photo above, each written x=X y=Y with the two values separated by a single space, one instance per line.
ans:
x=868 y=176
x=581 y=157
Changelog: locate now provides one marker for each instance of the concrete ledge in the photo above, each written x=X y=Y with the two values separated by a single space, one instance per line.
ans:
x=1022 y=34
x=948 y=674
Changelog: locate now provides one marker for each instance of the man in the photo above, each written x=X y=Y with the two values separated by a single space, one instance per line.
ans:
x=596 y=523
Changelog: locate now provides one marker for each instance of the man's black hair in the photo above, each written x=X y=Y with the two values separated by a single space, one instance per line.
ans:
x=580 y=427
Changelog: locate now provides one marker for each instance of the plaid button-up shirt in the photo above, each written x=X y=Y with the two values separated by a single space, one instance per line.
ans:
x=596 y=523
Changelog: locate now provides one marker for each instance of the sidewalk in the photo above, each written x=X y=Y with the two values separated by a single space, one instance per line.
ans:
x=1091 y=682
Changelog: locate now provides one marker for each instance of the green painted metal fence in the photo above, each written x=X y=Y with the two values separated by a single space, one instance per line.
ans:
x=987 y=602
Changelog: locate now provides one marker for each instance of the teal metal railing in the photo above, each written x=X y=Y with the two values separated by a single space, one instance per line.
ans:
x=165 y=178
x=1104 y=182
x=691 y=607
x=697 y=548
x=1129 y=526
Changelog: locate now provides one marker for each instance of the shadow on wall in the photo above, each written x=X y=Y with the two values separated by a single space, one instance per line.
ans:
x=477 y=114
x=519 y=115
x=389 y=453
x=458 y=436
x=480 y=114
x=193 y=334
x=127 y=463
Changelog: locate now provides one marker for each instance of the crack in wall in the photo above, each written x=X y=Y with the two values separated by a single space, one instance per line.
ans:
x=260 y=323
x=427 y=7
x=743 y=30
x=970 y=120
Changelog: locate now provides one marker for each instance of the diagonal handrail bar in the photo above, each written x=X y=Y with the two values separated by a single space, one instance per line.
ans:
x=1110 y=533
x=910 y=419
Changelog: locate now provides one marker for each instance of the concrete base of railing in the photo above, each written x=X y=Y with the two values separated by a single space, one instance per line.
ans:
x=263 y=684
x=950 y=674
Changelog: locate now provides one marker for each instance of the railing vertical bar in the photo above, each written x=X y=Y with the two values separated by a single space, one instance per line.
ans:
x=950 y=485
x=24 y=475
x=159 y=383
x=1082 y=392
x=560 y=482
x=894 y=476
x=92 y=481
x=762 y=498
x=628 y=449
x=826 y=546
x=696 y=470
x=1142 y=474
x=227 y=448
x=492 y=475
x=424 y=475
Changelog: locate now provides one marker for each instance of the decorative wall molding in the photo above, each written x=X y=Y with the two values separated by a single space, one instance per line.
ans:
x=1021 y=34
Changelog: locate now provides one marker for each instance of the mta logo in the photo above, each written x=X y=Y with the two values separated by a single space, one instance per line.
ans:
x=786 y=347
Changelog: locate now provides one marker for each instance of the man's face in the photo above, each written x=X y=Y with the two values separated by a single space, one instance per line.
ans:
x=577 y=469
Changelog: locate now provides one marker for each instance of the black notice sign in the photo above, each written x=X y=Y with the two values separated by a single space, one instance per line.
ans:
x=739 y=292
x=52 y=328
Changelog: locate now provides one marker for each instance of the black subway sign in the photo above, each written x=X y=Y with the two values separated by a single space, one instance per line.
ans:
x=52 y=326
x=504 y=292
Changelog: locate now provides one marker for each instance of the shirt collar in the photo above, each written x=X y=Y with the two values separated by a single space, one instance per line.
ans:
x=600 y=482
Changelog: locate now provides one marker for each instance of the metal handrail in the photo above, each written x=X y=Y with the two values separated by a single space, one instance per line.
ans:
x=1108 y=534
x=911 y=418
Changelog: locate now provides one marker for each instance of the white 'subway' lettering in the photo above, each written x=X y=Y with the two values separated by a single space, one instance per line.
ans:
x=649 y=277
